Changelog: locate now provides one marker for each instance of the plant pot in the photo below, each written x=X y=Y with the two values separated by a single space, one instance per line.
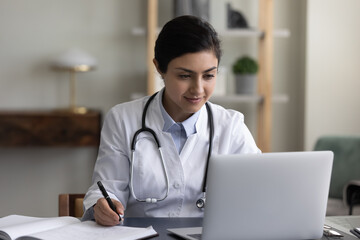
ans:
x=245 y=83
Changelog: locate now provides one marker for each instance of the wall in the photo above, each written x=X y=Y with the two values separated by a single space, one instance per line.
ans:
x=34 y=32
x=333 y=73
x=31 y=179
x=289 y=75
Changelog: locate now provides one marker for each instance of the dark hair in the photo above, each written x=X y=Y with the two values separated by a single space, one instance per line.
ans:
x=185 y=34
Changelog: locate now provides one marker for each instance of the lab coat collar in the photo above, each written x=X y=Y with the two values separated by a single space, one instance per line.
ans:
x=189 y=124
x=155 y=120
x=202 y=124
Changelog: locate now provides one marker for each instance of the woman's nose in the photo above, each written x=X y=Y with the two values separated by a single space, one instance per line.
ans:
x=197 y=85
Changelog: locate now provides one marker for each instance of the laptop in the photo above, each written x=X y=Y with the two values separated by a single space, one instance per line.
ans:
x=265 y=196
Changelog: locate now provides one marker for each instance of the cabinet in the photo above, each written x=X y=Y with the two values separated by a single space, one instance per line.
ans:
x=265 y=35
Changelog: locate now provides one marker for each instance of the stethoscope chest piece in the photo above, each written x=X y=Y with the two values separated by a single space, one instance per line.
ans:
x=200 y=203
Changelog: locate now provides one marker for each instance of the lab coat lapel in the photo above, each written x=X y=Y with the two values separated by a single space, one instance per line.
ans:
x=188 y=147
x=155 y=121
x=191 y=142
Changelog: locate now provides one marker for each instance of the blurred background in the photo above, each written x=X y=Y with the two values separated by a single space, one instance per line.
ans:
x=316 y=67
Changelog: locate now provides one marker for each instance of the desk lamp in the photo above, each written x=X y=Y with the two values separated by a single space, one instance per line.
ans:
x=73 y=61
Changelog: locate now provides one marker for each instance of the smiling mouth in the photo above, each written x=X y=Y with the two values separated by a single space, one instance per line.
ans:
x=193 y=100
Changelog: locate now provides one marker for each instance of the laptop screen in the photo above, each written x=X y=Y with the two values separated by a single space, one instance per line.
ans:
x=267 y=196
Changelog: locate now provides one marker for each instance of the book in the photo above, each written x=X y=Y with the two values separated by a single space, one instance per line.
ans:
x=18 y=227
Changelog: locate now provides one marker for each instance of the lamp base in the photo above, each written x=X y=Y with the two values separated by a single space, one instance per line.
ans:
x=79 y=110
x=75 y=110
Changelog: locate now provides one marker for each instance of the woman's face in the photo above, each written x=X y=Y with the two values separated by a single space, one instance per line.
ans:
x=189 y=82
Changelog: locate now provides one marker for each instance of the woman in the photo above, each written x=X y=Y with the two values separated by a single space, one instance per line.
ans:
x=187 y=55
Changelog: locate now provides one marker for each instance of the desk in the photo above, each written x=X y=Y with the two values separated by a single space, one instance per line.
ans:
x=343 y=223
x=161 y=224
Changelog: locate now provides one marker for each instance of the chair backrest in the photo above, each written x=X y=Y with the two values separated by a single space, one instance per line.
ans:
x=71 y=204
x=346 y=166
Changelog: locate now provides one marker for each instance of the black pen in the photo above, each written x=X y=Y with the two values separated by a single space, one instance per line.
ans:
x=106 y=196
x=355 y=232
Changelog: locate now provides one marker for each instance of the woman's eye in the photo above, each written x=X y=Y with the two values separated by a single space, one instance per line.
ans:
x=209 y=76
x=184 y=76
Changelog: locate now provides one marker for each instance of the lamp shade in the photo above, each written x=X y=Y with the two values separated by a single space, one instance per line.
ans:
x=76 y=60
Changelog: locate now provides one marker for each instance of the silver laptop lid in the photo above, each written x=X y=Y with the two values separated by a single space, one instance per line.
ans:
x=267 y=196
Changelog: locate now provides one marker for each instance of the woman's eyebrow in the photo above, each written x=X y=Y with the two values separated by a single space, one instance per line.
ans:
x=210 y=69
x=191 y=71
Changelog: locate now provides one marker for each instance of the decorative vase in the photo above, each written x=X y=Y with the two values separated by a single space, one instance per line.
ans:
x=245 y=83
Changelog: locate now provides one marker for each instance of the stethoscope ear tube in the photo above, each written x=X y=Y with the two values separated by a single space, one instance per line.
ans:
x=148 y=200
x=144 y=129
x=133 y=143
x=143 y=126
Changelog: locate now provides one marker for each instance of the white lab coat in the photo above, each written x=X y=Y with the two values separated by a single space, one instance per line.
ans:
x=185 y=172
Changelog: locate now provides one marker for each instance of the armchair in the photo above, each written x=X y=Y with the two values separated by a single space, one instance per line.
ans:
x=344 y=190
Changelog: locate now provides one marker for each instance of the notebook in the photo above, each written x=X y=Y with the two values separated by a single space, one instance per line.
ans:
x=265 y=196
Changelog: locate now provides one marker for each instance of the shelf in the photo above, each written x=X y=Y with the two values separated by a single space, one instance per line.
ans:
x=284 y=33
x=265 y=38
x=49 y=128
x=280 y=33
x=247 y=98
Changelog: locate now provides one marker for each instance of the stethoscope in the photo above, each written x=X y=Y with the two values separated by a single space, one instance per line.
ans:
x=199 y=203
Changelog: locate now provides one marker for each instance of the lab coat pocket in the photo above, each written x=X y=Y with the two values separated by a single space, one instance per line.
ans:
x=149 y=179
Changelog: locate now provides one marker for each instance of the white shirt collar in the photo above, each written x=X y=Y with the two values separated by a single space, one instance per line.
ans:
x=189 y=124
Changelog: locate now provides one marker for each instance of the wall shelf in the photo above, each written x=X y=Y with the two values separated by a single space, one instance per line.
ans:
x=248 y=98
x=265 y=38
x=279 y=33
x=49 y=128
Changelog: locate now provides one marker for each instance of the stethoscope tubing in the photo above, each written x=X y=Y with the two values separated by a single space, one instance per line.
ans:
x=146 y=129
x=149 y=200
x=211 y=136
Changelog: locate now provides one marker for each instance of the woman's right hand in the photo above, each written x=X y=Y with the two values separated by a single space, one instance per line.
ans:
x=104 y=215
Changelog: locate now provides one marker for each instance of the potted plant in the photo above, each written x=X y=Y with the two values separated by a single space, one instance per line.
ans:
x=245 y=69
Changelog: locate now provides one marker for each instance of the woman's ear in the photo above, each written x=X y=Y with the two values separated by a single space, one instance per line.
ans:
x=156 y=63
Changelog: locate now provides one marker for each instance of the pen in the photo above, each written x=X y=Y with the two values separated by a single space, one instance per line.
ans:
x=355 y=232
x=106 y=196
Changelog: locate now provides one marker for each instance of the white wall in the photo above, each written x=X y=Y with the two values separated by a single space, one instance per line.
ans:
x=32 y=178
x=288 y=76
x=33 y=32
x=333 y=70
